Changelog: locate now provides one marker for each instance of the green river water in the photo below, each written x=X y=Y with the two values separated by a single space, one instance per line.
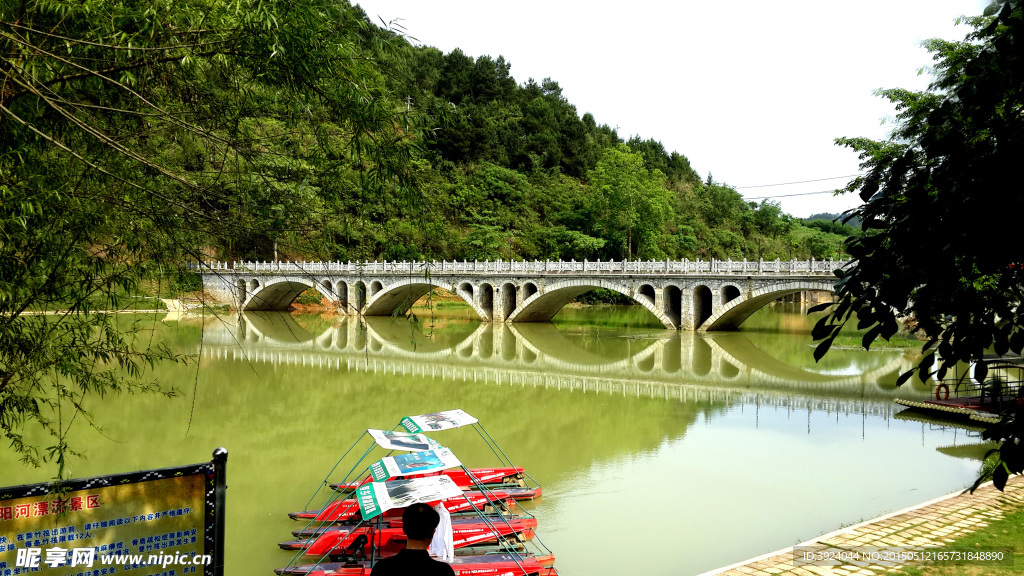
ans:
x=660 y=453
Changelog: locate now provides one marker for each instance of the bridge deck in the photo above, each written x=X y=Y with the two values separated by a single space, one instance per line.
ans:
x=688 y=294
x=643 y=267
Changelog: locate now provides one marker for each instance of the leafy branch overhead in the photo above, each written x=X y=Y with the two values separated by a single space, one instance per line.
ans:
x=940 y=196
x=137 y=135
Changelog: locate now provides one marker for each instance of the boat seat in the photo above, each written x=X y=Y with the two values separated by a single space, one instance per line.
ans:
x=356 y=551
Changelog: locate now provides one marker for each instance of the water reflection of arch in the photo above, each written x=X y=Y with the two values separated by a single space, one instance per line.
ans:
x=701 y=355
x=719 y=397
x=742 y=355
x=269 y=327
x=529 y=343
x=720 y=359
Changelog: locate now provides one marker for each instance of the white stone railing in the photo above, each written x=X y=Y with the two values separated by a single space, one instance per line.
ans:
x=644 y=267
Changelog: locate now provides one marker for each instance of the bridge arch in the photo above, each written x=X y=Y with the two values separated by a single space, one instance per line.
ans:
x=702 y=305
x=733 y=313
x=486 y=301
x=357 y=295
x=647 y=291
x=398 y=296
x=508 y=299
x=341 y=293
x=278 y=293
x=385 y=300
x=673 y=306
x=542 y=307
x=730 y=292
x=467 y=292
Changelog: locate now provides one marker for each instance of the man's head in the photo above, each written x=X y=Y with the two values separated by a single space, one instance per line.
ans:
x=419 y=522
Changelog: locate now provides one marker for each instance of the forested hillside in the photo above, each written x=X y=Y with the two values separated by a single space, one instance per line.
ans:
x=511 y=170
x=310 y=133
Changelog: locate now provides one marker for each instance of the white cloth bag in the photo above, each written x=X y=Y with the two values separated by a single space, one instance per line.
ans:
x=442 y=546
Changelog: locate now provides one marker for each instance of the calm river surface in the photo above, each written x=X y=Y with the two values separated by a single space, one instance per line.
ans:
x=660 y=453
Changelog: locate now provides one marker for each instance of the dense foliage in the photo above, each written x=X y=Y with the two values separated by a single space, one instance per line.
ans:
x=137 y=134
x=937 y=244
x=512 y=171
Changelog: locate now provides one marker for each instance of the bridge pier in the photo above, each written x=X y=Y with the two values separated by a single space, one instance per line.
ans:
x=683 y=295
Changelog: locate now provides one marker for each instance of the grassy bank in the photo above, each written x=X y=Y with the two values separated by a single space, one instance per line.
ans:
x=1007 y=532
x=145 y=294
x=895 y=343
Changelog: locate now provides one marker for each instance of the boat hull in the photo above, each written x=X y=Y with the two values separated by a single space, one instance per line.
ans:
x=346 y=510
x=465 y=532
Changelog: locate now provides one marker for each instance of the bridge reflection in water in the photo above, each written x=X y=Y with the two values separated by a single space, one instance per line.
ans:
x=721 y=370
x=728 y=431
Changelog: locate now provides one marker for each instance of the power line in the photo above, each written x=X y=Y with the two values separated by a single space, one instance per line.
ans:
x=800 y=182
x=788 y=195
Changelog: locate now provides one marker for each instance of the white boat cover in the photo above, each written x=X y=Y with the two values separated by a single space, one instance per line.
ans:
x=410 y=442
x=413 y=463
x=377 y=497
x=437 y=421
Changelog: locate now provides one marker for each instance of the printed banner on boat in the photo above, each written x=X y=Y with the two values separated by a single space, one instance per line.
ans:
x=413 y=463
x=141 y=523
x=407 y=441
x=437 y=421
x=376 y=498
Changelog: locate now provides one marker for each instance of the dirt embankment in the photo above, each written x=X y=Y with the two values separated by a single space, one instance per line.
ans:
x=321 y=307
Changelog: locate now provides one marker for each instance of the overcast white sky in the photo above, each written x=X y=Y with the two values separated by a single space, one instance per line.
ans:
x=754 y=92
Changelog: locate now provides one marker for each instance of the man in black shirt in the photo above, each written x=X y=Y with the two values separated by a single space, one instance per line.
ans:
x=418 y=523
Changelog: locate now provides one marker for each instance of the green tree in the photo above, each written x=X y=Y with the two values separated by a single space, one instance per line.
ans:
x=770 y=220
x=675 y=166
x=631 y=204
x=136 y=135
x=936 y=243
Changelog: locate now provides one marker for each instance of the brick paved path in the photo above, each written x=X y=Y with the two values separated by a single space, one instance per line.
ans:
x=931 y=524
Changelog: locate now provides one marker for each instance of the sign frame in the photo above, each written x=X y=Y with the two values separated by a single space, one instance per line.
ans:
x=215 y=497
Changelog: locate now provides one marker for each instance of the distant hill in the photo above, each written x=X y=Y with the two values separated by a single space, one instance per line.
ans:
x=855 y=222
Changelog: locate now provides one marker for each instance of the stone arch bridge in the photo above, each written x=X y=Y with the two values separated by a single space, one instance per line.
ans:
x=685 y=294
